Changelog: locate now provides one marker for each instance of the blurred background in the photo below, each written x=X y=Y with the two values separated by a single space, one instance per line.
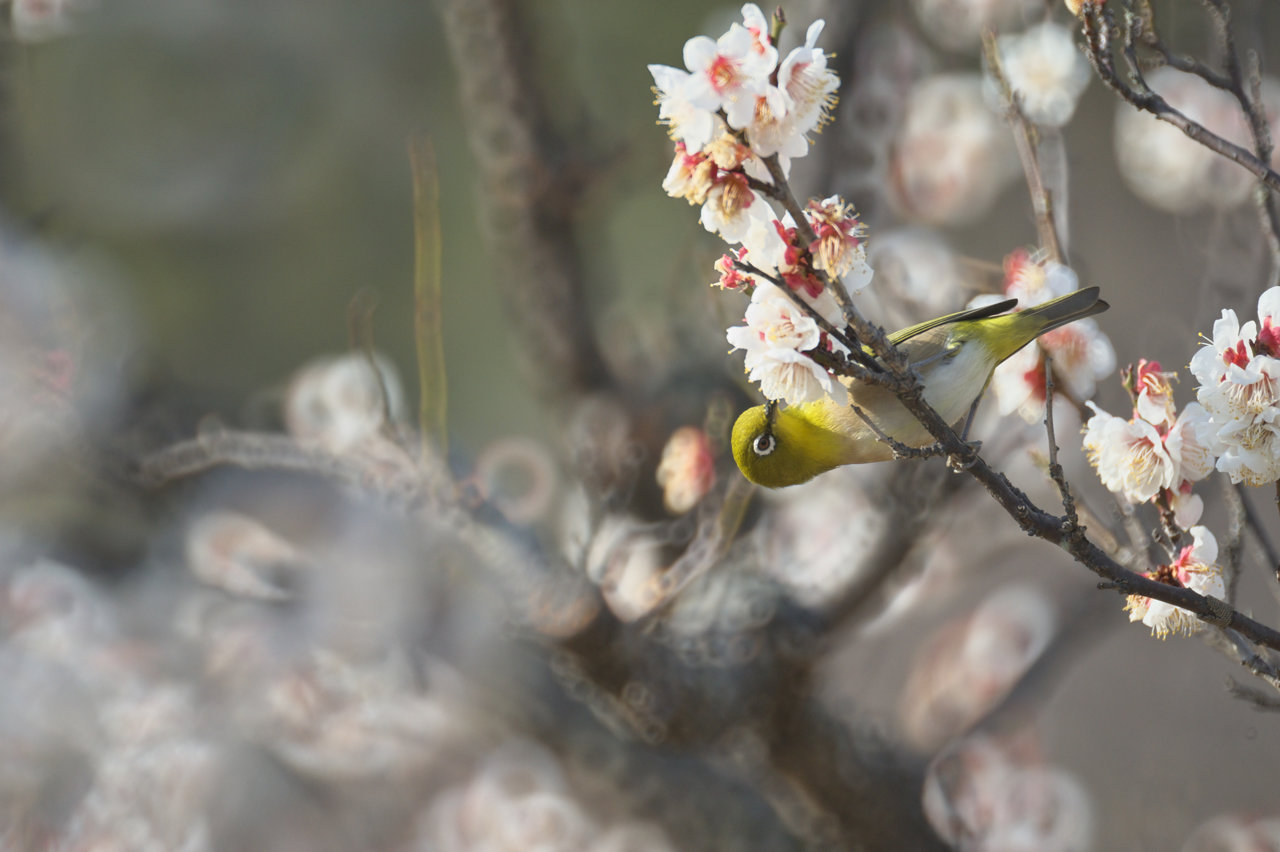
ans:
x=200 y=199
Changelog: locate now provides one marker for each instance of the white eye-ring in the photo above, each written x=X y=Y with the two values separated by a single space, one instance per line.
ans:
x=763 y=444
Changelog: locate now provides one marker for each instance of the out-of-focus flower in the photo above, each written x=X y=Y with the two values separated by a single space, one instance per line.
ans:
x=687 y=470
x=1239 y=375
x=1193 y=569
x=1235 y=833
x=918 y=268
x=241 y=556
x=959 y=24
x=816 y=536
x=971 y=663
x=41 y=20
x=619 y=554
x=341 y=403
x=334 y=720
x=519 y=799
x=952 y=154
x=1081 y=353
x=976 y=796
x=1045 y=70
x=1168 y=170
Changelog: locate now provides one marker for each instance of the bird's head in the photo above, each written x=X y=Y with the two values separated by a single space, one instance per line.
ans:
x=777 y=447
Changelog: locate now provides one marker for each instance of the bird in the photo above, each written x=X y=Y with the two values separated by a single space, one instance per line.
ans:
x=954 y=355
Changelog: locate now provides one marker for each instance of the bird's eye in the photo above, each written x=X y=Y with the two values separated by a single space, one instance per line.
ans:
x=763 y=444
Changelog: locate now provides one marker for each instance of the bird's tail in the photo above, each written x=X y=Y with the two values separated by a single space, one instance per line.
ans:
x=1025 y=326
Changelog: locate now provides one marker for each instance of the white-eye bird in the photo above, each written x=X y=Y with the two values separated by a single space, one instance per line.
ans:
x=954 y=355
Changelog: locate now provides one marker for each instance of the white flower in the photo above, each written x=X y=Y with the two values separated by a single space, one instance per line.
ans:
x=1193 y=458
x=1193 y=569
x=729 y=73
x=779 y=321
x=1018 y=383
x=733 y=210
x=789 y=376
x=685 y=122
x=806 y=89
x=840 y=238
x=1033 y=279
x=1129 y=455
x=690 y=176
x=1187 y=507
x=1044 y=68
x=1155 y=394
x=1239 y=377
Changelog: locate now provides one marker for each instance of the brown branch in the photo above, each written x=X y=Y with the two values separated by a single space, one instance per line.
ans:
x=1033 y=520
x=1098 y=23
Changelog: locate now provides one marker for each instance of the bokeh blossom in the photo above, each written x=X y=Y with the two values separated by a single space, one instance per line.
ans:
x=686 y=470
x=1081 y=353
x=1046 y=71
x=1172 y=172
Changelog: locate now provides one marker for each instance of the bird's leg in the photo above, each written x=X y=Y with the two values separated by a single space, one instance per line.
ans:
x=968 y=420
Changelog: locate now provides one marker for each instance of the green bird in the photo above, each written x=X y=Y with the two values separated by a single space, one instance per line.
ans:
x=954 y=355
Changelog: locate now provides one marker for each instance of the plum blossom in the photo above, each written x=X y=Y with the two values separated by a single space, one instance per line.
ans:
x=1156 y=452
x=1193 y=569
x=1129 y=455
x=690 y=176
x=807 y=88
x=686 y=123
x=732 y=208
x=776 y=336
x=840 y=237
x=1239 y=375
x=730 y=73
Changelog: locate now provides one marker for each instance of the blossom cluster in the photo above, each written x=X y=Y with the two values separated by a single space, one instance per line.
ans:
x=1157 y=453
x=1194 y=569
x=738 y=117
x=1239 y=376
x=1081 y=353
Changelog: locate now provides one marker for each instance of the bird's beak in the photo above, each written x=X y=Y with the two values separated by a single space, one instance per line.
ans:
x=770 y=414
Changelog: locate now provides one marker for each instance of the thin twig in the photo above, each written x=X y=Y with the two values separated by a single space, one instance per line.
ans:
x=1055 y=469
x=1026 y=139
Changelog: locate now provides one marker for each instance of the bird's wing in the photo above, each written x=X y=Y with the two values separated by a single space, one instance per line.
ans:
x=903 y=335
